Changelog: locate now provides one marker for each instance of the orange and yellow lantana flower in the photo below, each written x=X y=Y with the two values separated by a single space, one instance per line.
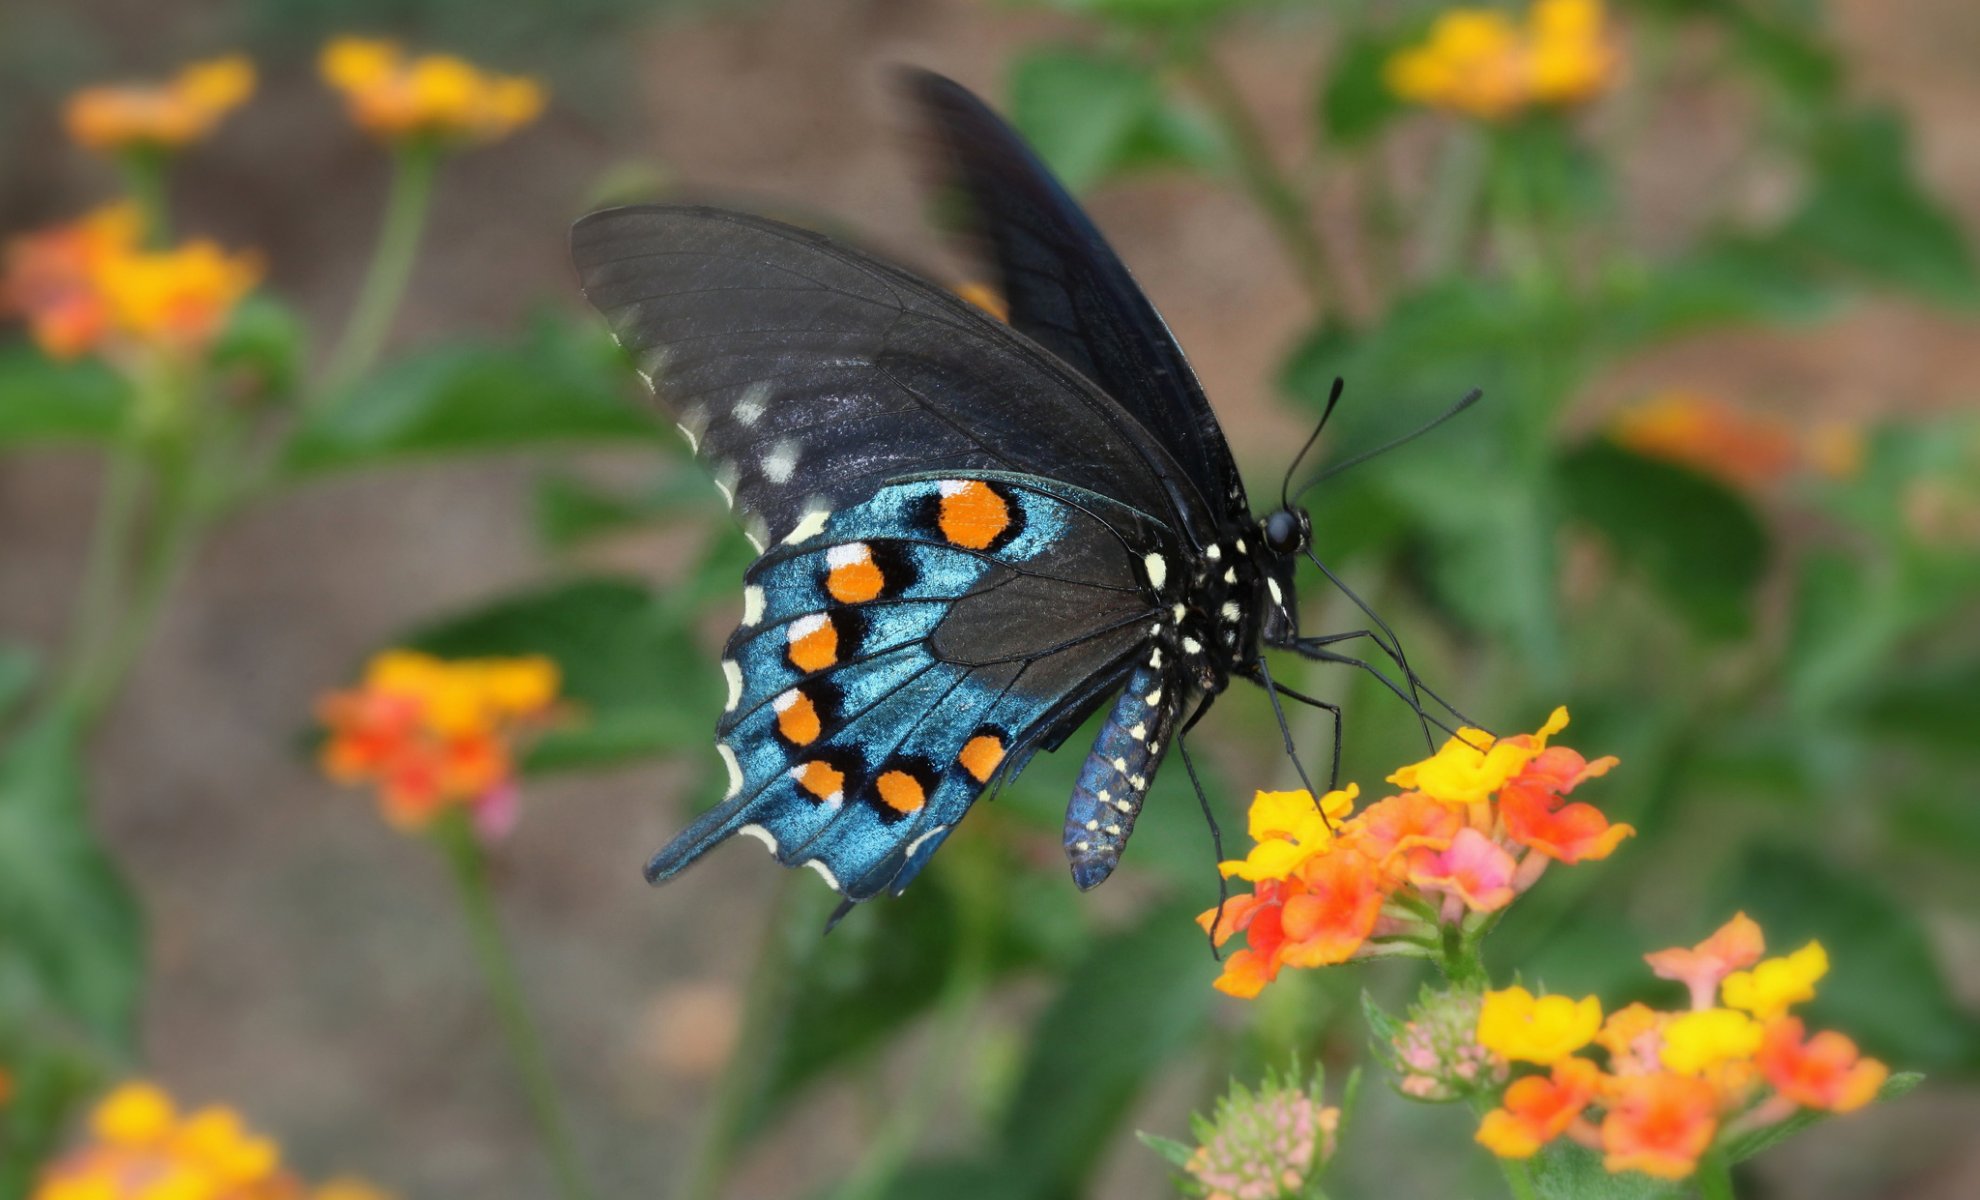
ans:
x=1481 y=62
x=432 y=97
x=434 y=734
x=92 y=286
x=167 y=116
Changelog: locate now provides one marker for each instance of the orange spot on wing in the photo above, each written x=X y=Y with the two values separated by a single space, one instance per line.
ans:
x=973 y=516
x=981 y=756
x=814 y=644
x=822 y=780
x=854 y=577
x=901 y=791
x=797 y=718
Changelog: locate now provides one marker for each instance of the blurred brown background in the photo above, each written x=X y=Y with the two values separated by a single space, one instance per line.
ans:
x=305 y=963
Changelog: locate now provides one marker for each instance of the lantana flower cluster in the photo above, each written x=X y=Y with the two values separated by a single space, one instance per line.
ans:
x=1671 y=1086
x=143 y=1147
x=156 y=118
x=1261 y=1144
x=1745 y=449
x=1474 y=825
x=436 y=98
x=1480 y=62
x=435 y=735
x=92 y=286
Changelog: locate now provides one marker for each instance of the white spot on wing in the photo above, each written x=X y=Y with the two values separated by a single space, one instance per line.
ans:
x=824 y=872
x=1158 y=570
x=735 y=769
x=784 y=700
x=809 y=526
x=849 y=555
x=749 y=409
x=780 y=462
x=733 y=673
x=760 y=834
x=752 y=605
x=917 y=843
x=804 y=627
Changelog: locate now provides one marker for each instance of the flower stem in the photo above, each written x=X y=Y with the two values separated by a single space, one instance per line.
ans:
x=470 y=870
x=143 y=172
x=385 y=280
x=1715 y=1181
x=1282 y=203
x=1519 y=1178
x=103 y=575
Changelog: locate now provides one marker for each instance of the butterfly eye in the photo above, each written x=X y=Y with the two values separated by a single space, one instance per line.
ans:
x=1284 y=531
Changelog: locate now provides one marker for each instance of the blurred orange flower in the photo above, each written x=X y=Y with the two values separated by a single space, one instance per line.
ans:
x=434 y=97
x=1539 y=1108
x=1705 y=433
x=1660 y=1125
x=143 y=1148
x=433 y=734
x=163 y=116
x=89 y=285
x=1480 y=62
x=1824 y=1071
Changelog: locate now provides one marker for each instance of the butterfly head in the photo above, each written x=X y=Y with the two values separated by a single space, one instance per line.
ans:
x=1288 y=532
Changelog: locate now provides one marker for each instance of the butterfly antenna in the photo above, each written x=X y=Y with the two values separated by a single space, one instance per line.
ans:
x=1333 y=398
x=1470 y=398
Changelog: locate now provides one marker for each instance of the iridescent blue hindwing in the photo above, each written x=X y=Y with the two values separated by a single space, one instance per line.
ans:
x=897 y=655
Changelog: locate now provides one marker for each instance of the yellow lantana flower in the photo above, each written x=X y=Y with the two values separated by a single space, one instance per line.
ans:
x=436 y=97
x=1696 y=1042
x=1289 y=828
x=1478 y=61
x=1516 y=1024
x=1468 y=768
x=1778 y=984
x=160 y=117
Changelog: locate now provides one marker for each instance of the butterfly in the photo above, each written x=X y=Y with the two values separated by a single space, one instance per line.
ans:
x=971 y=535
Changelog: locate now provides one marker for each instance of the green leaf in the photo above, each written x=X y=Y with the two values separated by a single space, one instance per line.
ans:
x=1356 y=102
x=1866 y=210
x=42 y=400
x=1885 y=987
x=18 y=668
x=1698 y=542
x=1564 y=1170
x=1091 y=116
x=1789 y=52
x=73 y=951
x=1747 y=1145
x=1137 y=1001
x=1936 y=705
x=632 y=670
x=953 y=1179
x=1724 y=281
x=570 y=510
x=561 y=384
x=1172 y=1151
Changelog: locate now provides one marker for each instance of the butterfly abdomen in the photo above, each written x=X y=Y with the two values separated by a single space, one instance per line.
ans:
x=1114 y=780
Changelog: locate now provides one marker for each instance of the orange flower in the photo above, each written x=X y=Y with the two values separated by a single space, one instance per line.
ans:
x=434 y=735
x=1531 y=805
x=1710 y=436
x=160 y=117
x=1736 y=945
x=1824 y=1071
x=434 y=97
x=1474 y=870
x=1539 y=1108
x=1633 y=1036
x=1318 y=916
x=1404 y=833
x=90 y=286
x=1478 y=61
x=1659 y=1124
x=144 y=1148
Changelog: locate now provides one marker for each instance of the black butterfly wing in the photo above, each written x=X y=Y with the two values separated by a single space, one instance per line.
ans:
x=1066 y=288
x=848 y=409
x=807 y=374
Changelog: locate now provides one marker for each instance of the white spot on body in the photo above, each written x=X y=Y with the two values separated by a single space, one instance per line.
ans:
x=752 y=605
x=1124 y=805
x=1155 y=659
x=809 y=526
x=1214 y=553
x=1139 y=733
x=1140 y=784
x=1158 y=570
x=1231 y=611
x=1230 y=574
x=1179 y=612
x=1240 y=547
x=1114 y=830
x=732 y=672
x=1082 y=847
x=1272 y=586
x=780 y=462
x=1153 y=698
x=1120 y=764
x=1092 y=825
x=1192 y=646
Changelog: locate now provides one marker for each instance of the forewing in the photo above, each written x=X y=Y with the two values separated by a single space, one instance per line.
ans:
x=1066 y=288
x=918 y=644
x=809 y=374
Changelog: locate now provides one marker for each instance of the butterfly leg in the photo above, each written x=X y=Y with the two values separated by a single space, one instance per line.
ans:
x=1415 y=681
x=1393 y=648
x=1216 y=833
x=1315 y=649
x=1272 y=692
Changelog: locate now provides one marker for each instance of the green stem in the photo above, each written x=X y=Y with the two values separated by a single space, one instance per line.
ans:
x=470 y=870
x=110 y=550
x=763 y=1007
x=385 y=280
x=143 y=172
x=1715 y=1181
x=1451 y=208
x=1284 y=206
x=1519 y=1178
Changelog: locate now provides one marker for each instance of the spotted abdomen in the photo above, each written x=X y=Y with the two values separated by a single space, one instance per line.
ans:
x=1114 y=781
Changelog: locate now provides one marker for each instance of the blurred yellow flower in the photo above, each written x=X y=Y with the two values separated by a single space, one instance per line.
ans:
x=89 y=285
x=1778 y=984
x=143 y=1148
x=1480 y=62
x=163 y=116
x=434 y=97
x=1696 y=1042
x=1516 y=1024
